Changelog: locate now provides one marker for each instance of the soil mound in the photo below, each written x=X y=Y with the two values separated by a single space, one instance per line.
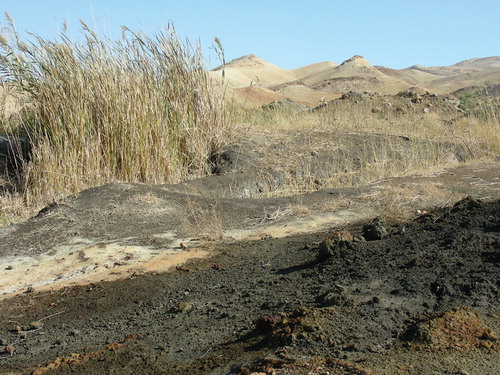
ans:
x=459 y=328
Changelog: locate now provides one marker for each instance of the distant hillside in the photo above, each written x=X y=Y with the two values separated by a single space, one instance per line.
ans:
x=488 y=90
x=446 y=79
x=251 y=69
x=355 y=74
x=255 y=82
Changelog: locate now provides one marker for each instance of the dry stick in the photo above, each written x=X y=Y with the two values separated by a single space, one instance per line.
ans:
x=483 y=198
x=469 y=150
x=10 y=348
x=50 y=316
x=278 y=214
x=208 y=351
x=445 y=203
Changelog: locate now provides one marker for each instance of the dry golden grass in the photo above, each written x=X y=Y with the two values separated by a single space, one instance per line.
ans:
x=401 y=202
x=142 y=109
x=433 y=142
x=13 y=207
x=202 y=222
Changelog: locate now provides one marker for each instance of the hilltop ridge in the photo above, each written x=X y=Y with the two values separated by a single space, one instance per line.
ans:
x=254 y=81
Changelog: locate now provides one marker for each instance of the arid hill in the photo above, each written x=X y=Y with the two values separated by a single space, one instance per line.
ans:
x=254 y=82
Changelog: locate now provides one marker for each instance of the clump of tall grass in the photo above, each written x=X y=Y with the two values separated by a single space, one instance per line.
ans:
x=140 y=109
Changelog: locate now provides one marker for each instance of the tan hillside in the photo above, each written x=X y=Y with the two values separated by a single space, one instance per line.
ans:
x=314 y=69
x=472 y=72
x=252 y=96
x=355 y=74
x=253 y=81
x=446 y=79
x=305 y=95
x=10 y=101
x=251 y=69
x=452 y=83
x=476 y=65
x=412 y=76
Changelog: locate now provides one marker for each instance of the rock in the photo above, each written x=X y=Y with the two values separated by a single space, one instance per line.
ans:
x=337 y=296
x=9 y=349
x=439 y=289
x=468 y=203
x=36 y=325
x=288 y=104
x=376 y=230
x=182 y=307
x=426 y=110
x=327 y=249
x=332 y=244
x=359 y=238
x=352 y=95
x=74 y=332
x=266 y=324
x=400 y=229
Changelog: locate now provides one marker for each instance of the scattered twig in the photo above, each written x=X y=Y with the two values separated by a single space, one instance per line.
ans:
x=265 y=265
x=445 y=203
x=52 y=315
x=277 y=215
x=483 y=198
x=208 y=351
x=468 y=144
x=22 y=334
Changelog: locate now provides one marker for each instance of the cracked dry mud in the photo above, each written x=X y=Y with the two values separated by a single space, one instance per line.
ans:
x=422 y=299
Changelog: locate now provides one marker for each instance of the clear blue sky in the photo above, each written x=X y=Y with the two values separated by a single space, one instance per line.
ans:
x=291 y=33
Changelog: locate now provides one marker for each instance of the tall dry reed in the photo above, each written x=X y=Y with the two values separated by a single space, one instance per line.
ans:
x=140 y=109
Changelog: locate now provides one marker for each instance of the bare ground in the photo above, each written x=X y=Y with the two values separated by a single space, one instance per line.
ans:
x=422 y=299
x=213 y=276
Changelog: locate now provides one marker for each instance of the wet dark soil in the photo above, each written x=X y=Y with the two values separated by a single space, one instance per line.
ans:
x=420 y=299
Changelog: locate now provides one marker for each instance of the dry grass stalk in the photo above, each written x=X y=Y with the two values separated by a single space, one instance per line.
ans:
x=202 y=221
